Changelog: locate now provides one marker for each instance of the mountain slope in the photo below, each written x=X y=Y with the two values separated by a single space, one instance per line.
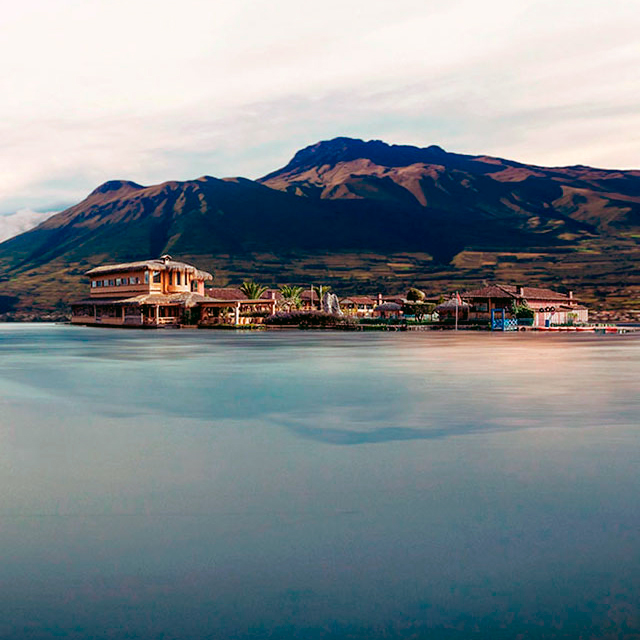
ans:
x=211 y=216
x=578 y=198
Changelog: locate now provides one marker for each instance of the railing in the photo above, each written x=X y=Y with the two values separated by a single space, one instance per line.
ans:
x=508 y=324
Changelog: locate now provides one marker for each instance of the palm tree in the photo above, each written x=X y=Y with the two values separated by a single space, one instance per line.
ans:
x=252 y=290
x=320 y=291
x=291 y=297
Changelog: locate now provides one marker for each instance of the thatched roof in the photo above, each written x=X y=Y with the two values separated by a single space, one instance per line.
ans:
x=450 y=305
x=186 y=299
x=389 y=306
x=160 y=264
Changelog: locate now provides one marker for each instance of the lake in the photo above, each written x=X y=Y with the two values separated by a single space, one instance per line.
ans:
x=312 y=485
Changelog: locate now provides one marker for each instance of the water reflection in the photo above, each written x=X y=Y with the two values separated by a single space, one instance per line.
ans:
x=198 y=484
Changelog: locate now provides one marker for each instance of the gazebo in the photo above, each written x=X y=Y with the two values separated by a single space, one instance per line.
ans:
x=388 y=310
x=453 y=308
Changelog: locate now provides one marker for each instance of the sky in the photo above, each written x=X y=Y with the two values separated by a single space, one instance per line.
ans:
x=94 y=90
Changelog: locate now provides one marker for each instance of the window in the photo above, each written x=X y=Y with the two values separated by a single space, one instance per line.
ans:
x=157 y=277
x=178 y=278
x=194 y=285
x=118 y=282
x=111 y=283
x=146 y=277
x=133 y=280
x=93 y=284
x=98 y=283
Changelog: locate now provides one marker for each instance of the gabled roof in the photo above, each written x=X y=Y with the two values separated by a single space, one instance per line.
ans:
x=226 y=293
x=359 y=300
x=159 y=264
x=490 y=291
x=398 y=299
x=307 y=294
x=272 y=294
x=511 y=291
x=535 y=293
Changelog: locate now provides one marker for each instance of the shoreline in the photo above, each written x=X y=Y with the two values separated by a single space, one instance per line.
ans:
x=611 y=329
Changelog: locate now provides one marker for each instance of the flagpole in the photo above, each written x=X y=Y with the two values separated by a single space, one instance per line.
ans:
x=457 y=298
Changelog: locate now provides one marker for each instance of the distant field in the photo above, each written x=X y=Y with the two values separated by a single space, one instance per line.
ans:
x=603 y=278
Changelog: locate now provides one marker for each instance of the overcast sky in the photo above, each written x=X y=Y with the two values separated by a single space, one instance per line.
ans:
x=152 y=90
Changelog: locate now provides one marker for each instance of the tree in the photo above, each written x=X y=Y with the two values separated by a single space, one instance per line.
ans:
x=418 y=309
x=320 y=292
x=415 y=295
x=522 y=310
x=252 y=290
x=291 y=297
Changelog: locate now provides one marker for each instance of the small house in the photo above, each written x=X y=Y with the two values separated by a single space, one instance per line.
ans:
x=548 y=306
x=358 y=306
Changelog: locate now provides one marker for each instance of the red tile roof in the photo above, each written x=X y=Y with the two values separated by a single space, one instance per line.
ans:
x=359 y=300
x=511 y=291
x=272 y=294
x=308 y=295
x=225 y=293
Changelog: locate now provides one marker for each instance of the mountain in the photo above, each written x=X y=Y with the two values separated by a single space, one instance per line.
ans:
x=578 y=198
x=358 y=215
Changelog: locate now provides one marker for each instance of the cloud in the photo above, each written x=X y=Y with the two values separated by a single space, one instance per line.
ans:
x=97 y=91
x=21 y=221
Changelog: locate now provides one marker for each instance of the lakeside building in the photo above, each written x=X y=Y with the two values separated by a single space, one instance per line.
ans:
x=358 y=306
x=145 y=293
x=229 y=305
x=548 y=306
x=309 y=300
x=163 y=292
x=166 y=292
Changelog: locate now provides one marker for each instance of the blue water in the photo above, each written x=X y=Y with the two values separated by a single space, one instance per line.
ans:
x=194 y=484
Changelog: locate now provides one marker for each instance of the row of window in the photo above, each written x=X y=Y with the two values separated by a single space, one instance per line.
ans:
x=175 y=277
x=116 y=282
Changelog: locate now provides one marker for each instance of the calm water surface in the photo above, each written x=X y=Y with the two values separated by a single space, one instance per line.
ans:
x=178 y=484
